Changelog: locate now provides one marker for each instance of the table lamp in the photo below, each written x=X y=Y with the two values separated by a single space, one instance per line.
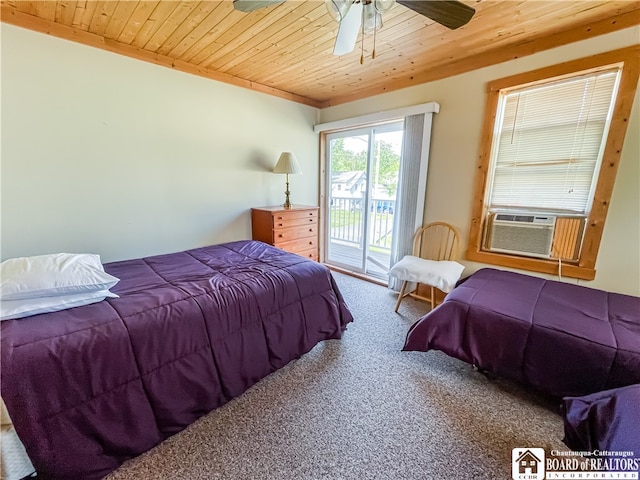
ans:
x=287 y=164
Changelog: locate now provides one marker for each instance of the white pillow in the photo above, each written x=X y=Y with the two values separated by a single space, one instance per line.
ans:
x=52 y=275
x=441 y=274
x=12 y=309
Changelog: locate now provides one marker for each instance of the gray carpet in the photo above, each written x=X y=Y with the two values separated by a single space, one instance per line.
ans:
x=359 y=408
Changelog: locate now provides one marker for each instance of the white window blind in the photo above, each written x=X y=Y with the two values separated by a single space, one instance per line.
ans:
x=549 y=142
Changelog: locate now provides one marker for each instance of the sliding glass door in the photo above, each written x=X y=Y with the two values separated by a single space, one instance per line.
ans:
x=362 y=182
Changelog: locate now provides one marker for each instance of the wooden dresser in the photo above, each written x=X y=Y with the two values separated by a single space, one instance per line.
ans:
x=293 y=229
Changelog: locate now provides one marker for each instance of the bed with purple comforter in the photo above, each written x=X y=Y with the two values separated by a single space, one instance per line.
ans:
x=90 y=387
x=561 y=339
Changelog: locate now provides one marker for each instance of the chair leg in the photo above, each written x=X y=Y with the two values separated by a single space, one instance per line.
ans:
x=401 y=295
x=433 y=298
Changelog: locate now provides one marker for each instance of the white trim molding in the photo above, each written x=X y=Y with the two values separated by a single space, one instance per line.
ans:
x=378 y=117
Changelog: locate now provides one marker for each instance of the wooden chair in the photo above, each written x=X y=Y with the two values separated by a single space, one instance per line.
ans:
x=435 y=247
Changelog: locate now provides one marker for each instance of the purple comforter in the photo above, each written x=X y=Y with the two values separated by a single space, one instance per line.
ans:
x=90 y=387
x=608 y=420
x=560 y=338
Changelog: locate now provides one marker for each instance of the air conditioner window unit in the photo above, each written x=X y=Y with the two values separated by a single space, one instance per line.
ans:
x=521 y=234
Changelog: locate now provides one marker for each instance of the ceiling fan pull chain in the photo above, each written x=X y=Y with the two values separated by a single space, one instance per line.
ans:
x=375 y=28
x=362 y=40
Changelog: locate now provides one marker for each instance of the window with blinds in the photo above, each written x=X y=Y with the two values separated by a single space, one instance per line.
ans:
x=548 y=143
x=550 y=148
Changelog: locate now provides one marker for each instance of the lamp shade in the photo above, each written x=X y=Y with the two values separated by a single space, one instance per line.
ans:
x=287 y=163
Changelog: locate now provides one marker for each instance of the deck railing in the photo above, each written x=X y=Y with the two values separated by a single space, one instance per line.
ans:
x=347 y=221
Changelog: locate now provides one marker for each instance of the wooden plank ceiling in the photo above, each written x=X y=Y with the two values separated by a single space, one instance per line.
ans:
x=286 y=49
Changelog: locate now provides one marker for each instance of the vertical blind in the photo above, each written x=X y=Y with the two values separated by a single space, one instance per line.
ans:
x=549 y=142
x=412 y=184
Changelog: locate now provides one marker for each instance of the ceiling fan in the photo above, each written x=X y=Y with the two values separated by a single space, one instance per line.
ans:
x=354 y=15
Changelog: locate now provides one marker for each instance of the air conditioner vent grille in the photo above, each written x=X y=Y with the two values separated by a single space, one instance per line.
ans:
x=522 y=240
x=515 y=218
x=522 y=234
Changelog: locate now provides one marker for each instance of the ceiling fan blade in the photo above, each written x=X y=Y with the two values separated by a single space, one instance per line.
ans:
x=251 y=5
x=348 y=30
x=450 y=13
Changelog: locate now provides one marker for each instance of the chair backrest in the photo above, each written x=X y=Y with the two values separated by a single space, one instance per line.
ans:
x=436 y=241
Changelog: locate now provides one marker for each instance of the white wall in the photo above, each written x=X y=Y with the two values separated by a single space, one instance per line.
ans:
x=111 y=155
x=456 y=140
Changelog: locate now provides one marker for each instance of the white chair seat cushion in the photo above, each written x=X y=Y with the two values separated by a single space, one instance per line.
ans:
x=441 y=274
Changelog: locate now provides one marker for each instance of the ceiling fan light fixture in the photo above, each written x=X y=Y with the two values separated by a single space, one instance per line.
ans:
x=371 y=19
x=338 y=8
x=382 y=6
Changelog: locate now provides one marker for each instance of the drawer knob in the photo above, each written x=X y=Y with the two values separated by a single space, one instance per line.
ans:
x=280 y=235
x=280 y=224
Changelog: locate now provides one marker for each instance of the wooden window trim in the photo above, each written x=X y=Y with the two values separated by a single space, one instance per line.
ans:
x=585 y=267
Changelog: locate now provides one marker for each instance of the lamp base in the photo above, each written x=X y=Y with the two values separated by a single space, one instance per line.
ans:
x=287 y=203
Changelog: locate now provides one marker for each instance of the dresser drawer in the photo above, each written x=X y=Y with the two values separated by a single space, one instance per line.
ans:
x=294 y=219
x=299 y=245
x=310 y=254
x=293 y=233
